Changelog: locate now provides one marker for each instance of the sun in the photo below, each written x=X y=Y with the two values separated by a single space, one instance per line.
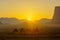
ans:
x=29 y=19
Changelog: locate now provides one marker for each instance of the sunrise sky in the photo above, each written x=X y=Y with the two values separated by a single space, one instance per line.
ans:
x=24 y=9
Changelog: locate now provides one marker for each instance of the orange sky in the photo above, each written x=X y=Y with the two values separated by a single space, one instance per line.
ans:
x=24 y=9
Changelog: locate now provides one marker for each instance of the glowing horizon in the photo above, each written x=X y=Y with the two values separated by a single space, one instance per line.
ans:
x=22 y=9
